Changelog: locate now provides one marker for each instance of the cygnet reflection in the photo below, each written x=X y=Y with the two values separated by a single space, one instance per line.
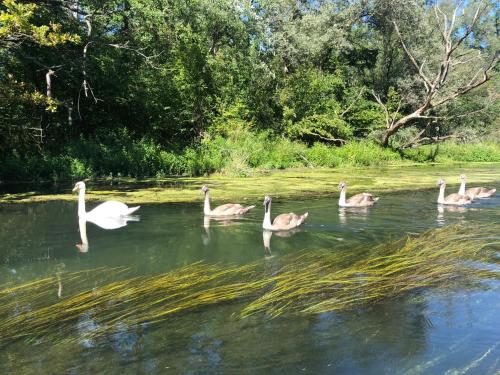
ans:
x=441 y=209
x=107 y=223
x=266 y=238
x=222 y=221
x=359 y=212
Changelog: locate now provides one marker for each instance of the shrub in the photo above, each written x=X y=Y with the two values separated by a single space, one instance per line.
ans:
x=239 y=154
x=321 y=155
x=363 y=153
x=452 y=151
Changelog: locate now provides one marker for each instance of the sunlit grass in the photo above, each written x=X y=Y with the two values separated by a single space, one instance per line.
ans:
x=309 y=282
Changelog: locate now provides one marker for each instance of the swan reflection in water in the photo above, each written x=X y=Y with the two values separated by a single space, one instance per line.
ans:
x=440 y=219
x=223 y=222
x=359 y=212
x=266 y=238
x=107 y=223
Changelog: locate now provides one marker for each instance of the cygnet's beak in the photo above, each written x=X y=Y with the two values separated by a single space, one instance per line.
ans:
x=75 y=189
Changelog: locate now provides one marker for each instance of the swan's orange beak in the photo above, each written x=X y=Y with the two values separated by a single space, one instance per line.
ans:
x=75 y=189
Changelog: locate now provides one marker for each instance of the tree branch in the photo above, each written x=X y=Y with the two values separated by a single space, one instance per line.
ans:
x=473 y=83
x=415 y=140
x=48 y=80
x=388 y=121
x=353 y=102
x=419 y=67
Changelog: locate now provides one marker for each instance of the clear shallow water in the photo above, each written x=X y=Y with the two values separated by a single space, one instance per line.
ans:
x=424 y=332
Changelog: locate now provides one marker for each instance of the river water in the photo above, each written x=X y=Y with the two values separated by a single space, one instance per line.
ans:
x=427 y=332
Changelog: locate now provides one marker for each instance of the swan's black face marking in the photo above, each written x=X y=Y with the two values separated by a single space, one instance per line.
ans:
x=204 y=189
x=441 y=182
x=463 y=177
x=267 y=201
x=342 y=185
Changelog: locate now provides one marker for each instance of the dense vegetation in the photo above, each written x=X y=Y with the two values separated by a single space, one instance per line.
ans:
x=145 y=88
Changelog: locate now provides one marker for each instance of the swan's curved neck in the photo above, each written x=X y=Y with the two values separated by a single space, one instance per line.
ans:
x=441 y=194
x=461 y=191
x=81 y=203
x=266 y=224
x=342 y=197
x=206 y=206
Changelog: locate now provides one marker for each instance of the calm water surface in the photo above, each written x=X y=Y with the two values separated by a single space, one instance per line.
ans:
x=426 y=332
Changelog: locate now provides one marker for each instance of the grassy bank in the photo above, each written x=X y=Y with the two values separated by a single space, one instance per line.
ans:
x=290 y=183
x=239 y=154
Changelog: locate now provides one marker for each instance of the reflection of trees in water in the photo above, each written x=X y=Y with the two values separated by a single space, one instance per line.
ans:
x=27 y=231
x=396 y=329
x=382 y=338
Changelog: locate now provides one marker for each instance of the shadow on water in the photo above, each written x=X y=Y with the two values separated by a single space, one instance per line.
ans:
x=27 y=189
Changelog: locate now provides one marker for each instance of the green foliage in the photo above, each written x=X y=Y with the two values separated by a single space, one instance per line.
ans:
x=145 y=88
x=321 y=127
x=455 y=152
x=241 y=153
x=364 y=153
x=16 y=26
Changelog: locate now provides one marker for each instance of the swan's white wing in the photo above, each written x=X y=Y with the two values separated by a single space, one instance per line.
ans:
x=109 y=209
x=112 y=222
x=108 y=222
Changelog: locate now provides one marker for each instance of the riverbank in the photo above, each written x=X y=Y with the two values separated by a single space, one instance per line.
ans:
x=240 y=154
x=298 y=182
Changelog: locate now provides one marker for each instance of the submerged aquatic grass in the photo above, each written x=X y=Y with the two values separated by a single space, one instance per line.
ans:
x=309 y=282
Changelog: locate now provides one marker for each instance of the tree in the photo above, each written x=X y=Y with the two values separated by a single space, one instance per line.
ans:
x=464 y=65
x=24 y=33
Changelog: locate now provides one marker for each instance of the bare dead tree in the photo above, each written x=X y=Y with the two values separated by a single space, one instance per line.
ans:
x=48 y=80
x=433 y=86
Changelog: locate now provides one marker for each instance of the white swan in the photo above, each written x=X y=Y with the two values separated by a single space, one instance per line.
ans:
x=109 y=209
x=283 y=221
x=475 y=192
x=453 y=199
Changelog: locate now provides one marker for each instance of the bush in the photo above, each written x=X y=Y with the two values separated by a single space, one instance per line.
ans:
x=366 y=153
x=321 y=155
x=459 y=152
x=363 y=153
x=240 y=153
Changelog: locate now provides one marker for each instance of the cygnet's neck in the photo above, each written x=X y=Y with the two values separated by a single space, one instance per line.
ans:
x=461 y=191
x=441 y=194
x=266 y=224
x=206 y=206
x=342 y=197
